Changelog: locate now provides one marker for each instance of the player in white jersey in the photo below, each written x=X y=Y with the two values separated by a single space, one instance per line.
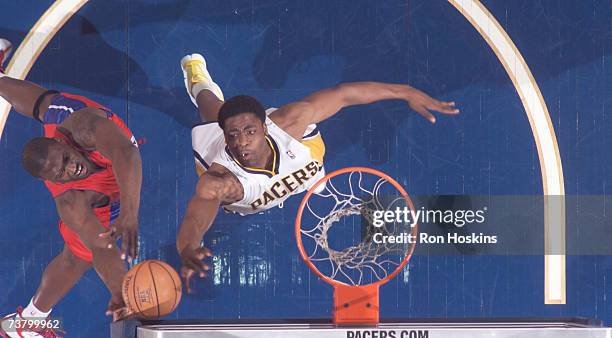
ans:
x=250 y=160
x=296 y=164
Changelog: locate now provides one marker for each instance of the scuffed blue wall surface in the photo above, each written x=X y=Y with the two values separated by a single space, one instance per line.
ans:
x=125 y=54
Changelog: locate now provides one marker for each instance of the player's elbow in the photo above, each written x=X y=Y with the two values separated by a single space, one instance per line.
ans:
x=347 y=94
x=209 y=195
x=126 y=153
x=210 y=187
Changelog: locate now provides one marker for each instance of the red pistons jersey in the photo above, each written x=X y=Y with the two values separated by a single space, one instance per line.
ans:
x=102 y=181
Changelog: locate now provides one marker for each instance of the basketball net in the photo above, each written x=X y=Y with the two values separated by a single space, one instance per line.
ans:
x=358 y=269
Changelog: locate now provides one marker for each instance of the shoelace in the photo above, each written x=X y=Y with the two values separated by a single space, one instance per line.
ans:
x=197 y=74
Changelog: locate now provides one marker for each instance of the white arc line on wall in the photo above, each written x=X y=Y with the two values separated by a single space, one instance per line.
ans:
x=537 y=112
x=545 y=139
x=35 y=42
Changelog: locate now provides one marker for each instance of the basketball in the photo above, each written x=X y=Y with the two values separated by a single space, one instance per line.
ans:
x=151 y=289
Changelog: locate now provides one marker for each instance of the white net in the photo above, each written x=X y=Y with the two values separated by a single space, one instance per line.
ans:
x=338 y=231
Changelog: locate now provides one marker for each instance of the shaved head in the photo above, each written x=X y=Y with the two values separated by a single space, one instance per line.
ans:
x=34 y=155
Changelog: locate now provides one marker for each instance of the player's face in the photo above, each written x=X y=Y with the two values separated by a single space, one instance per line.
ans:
x=65 y=163
x=245 y=137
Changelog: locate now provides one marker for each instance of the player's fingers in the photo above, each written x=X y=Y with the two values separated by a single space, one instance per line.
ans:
x=205 y=251
x=110 y=234
x=201 y=253
x=203 y=267
x=122 y=313
x=426 y=114
x=125 y=246
x=112 y=307
x=196 y=266
x=192 y=265
x=117 y=316
x=188 y=284
x=130 y=249
x=184 y=271
x=136 y=244
x=199 y=266
x=133 y=245
x=186 y=274
x=449 y=111
x=117 y=233
x=444 y=107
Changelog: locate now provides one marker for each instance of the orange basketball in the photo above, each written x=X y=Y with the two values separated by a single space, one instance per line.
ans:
x=151 y=289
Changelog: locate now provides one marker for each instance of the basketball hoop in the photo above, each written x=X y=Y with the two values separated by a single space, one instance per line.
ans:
x=354 y=262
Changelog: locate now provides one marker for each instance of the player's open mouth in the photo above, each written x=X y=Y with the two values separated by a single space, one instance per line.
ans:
x=80 y=170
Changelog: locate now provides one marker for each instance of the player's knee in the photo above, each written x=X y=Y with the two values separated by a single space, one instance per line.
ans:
x=70 y=261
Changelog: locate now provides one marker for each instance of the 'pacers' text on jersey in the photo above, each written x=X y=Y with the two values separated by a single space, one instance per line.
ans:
x=287 y=185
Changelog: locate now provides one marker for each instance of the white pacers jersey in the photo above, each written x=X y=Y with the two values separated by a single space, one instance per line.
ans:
x=298 y=165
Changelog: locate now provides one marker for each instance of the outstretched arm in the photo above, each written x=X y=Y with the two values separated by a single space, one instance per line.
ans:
x=295 y=117
x=22 y=95
x=91 y=130
x=75 y=209
x=214 y=187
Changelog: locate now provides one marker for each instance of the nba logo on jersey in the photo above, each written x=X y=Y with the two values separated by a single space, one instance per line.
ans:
x=291 y=154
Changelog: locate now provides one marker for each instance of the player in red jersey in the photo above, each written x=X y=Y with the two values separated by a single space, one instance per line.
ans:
x=90 y=163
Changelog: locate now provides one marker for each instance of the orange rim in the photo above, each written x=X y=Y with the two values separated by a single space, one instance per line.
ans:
x=298 y=222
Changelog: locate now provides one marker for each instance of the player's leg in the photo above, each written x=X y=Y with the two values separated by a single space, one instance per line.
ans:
x=203 y=91
x=62 y=273
x=208 y=105
x=106 y=261
x=22 y=95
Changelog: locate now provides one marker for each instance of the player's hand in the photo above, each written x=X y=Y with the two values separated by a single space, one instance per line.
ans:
x=423 y=103
x=122 y=314
x=119 y=310
x=192 y=264
x=126 y=228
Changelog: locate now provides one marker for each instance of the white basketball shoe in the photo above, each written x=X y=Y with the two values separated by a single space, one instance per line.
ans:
x=6 y=47
x=197 y=77
x=15 y=325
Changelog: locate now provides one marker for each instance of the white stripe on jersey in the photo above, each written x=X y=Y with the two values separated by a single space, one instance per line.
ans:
x=52 y=106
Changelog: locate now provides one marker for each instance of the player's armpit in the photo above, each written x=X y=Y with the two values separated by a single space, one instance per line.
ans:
x=294 y=118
